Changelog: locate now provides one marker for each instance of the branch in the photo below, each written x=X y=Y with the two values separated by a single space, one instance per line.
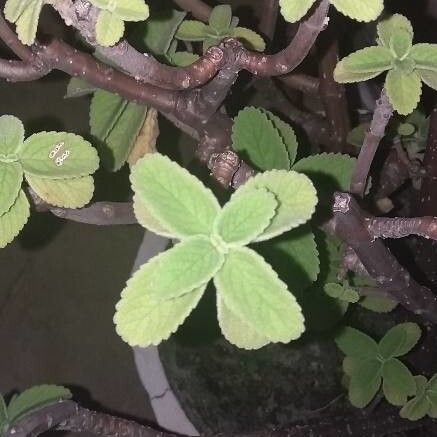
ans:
x=381 y=117
x=349 y=224
x=301 y=82
x=197 y=8
x=19 y=71
x=399 y=227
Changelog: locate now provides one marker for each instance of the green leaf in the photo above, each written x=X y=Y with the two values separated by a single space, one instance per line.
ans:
x=357 y=134
x=245 y=217
x=58 y=155
x=378 y=304
x=3 y=413
x=296 y=197
x=355 y=343
x=64 y=193
x=252 y=291
x=403 y=90
x=398 y=382
x=329 y=172
x=11 y=135
x=27 y=23
x=401 y=43
x=429 y=77
x=11 y=177
x=338 y=291
x=183 y=59
x=415 y=409
x=12 y=222
x=116 y=123
x=188 y=265
x=146 y=219
x=131 y=10
x=363 y=10
x=258 y=141
x=235 y=330
x=406 y=129
x=35 y=398
x=109 y=28
x=178 y=200
x=399 y=340
x=250 y=39
x=78 y=87
x=294 y=10
x=387 y=28
x=363 y=64
x=143 y=322
x=287 y=134
x=294 y=256
x=220 y=18
x=158 y=31
x=365 y=382
x=191 y=30
x=425 y=56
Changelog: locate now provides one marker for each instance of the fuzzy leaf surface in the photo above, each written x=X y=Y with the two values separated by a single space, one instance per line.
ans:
x=387 y=28
x=12 y=222
x=250 y=39
x=177 y=199
x=403 y=90
x=252 y=291
x=399 y=340
x=191 y=30
x=363 y=10
x=109 y=28
x=11 y=134
x=11 y=177
x=27 y=23
x=294 y=10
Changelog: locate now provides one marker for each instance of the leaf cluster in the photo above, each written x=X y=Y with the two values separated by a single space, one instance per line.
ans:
x=369 y=364
x=56 y=165
x=29 y=401
x=254 y=305
x=221 y=25
x=408 y=65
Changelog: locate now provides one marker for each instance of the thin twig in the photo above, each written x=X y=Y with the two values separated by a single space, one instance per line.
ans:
x=197 y=8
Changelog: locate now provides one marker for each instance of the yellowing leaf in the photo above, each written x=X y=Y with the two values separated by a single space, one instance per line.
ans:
x=27 y=22
x=64 y=193
x=146 y=139
x=250 y=38
x=294 y=10
x=252 y=291
x=109 y=28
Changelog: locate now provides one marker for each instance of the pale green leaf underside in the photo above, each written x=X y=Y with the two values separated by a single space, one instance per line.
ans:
x=398 y=382
x=355 y=343
x=250 y=38
x=12 y=222
x=109 y=28
x=257 y=139
x=403 y=90
x=27 y=23
x=132 y=10
x=296 y=197
x=366 y=62
x=143 y=322
x=401 y=43
x=11 y=134
x=191 y=30
x=252 y=291
x=235 y=330
x=11 y=177
x=429 y=77
x=64 y=193
x=34 y=398
x=116 y=123
x=399 y=340
x=146 y=219
x=186 y=266
x=14 y=8
x=425 y=56
x=45 y=154
x=245 y=216
x=287 y=134
x=390 y=26
x=362 y=10
x=294 y=10
x=177 y=199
